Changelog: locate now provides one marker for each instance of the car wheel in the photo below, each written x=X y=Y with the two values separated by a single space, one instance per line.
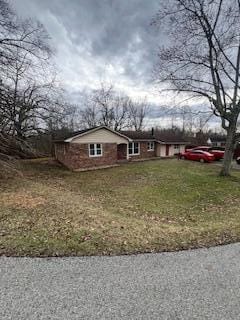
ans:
x=202 y=160
x=182 y=157
x=238 y=161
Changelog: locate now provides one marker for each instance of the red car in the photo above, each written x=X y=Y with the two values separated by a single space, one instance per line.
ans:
x=217 y=151
x=197 y=155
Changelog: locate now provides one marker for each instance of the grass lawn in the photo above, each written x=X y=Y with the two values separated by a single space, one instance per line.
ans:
x=147 y=206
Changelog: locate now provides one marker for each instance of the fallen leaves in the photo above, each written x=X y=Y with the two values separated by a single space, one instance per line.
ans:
x=21 y=199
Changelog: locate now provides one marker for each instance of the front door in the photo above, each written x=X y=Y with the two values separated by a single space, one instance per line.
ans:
x=167 y=150
x=122 y=151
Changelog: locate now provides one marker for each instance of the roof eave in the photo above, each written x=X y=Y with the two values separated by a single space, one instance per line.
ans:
x=60 y=141
x=133 y=139
x=95 y=129
x=172 y=142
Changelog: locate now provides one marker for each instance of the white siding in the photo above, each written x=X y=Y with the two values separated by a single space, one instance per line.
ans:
x=157 y=146
x=100 y=136
x=182 y=148
x=161 y=150
x=172 y=150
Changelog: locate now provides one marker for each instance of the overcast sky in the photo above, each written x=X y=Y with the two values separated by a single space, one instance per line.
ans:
x=102 y=40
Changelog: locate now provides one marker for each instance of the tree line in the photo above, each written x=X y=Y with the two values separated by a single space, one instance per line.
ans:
x=109 y=107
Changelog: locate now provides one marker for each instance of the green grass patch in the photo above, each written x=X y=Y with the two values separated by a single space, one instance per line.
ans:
x=150 y=206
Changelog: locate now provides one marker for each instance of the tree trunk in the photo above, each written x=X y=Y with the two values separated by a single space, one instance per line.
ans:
x=229 y=149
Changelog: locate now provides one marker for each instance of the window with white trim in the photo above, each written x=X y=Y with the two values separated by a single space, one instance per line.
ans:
x=95 y=150
x=133 y=148
x=151 y=146
x=176 y=146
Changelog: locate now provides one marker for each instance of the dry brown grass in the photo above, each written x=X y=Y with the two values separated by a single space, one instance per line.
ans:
x=9 y=168
x=21 y=200
x=142 y=207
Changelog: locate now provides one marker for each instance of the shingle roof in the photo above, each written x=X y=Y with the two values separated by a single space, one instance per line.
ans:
x=163 y=136
x=157 y=135
x=169 y=137
x=138 y=135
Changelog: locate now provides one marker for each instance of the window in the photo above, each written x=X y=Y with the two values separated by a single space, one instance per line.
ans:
x=151 y=146
x=176 y=149
x=133 y=148
x=95 y=150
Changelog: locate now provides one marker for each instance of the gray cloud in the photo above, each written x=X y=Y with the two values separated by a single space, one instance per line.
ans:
x=108 y=32
x=103 y=40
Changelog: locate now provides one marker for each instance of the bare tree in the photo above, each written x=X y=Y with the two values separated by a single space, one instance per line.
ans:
x=24 y=46
x=27 y=35
x=103 y=99
x=201 y=122
x=121 y=111
x=192 y=120
x=137 y=114
x=89 y=115
x=202 y=58
x=108 y=107
x=26 y=110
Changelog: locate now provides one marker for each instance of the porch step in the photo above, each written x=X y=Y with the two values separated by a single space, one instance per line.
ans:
x=122 y=161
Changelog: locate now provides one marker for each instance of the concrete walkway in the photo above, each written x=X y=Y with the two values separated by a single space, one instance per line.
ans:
x=199 y=284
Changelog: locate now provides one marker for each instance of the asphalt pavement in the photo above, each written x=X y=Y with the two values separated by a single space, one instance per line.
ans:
x=234 y=164
x=197 y=284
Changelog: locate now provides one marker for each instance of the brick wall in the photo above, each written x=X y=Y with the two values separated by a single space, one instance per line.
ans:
x=144 y=153
x=76 y=156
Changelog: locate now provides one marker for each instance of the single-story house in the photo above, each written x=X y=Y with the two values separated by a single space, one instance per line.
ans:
x=102 y=146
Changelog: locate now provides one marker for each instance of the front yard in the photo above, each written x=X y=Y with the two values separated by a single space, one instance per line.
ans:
x=142 y=207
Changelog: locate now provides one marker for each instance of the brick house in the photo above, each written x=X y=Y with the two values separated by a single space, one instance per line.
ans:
x=102 y=147
x=155 y=144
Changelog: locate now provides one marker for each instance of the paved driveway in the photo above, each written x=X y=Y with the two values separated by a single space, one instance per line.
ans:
x=234 y=164
x=200 y=284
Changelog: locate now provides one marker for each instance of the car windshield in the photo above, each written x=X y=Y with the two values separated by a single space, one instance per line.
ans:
x=201 y=148
x=201 y=152
x=216 y=150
